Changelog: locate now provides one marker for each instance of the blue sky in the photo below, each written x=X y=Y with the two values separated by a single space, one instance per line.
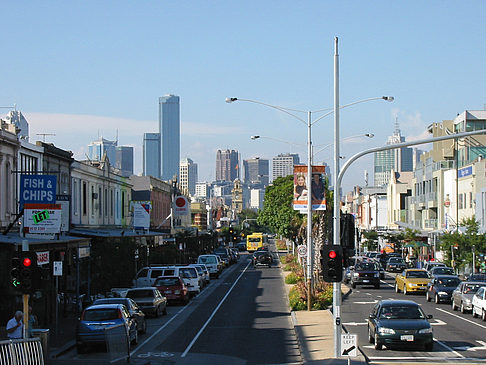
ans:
x=80 y=69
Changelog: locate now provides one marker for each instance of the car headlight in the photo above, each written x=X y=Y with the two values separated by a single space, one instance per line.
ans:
x=356 y=274
x=442 y=293
x=411 y=284
x=426 y=330
x=386 y=331
x=467 y=301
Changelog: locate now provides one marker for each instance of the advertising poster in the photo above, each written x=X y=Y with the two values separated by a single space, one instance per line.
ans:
x=42 y=218
x=317 y=188
x=141 y=214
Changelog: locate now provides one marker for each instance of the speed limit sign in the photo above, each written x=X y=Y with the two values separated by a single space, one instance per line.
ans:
x=302 y=250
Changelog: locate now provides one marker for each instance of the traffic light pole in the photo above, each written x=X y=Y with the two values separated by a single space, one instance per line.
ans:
x=25 y=297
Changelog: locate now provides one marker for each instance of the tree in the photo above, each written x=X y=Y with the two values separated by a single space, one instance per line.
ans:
x=278 y=213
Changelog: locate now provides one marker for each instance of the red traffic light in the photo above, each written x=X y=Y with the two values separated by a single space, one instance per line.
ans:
x=26 y=262
x=332 y=254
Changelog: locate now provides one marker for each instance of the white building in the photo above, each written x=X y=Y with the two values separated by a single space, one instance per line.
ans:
x=256 y=198
x=188 y=176
x=283 y=164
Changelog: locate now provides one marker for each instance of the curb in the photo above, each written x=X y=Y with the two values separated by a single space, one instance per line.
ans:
x=62 y=350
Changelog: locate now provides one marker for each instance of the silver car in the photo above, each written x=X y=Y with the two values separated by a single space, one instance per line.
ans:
x=149 y=300
x=463 y=294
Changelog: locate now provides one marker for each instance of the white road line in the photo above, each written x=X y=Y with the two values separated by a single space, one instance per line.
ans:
x=462 y=318
x=448 y=348
x=212 y=314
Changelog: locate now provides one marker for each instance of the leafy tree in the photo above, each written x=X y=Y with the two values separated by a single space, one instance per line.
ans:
x=371 y=240
x=278 y=213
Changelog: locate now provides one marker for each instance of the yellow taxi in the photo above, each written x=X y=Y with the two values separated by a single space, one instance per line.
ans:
x=412 y=281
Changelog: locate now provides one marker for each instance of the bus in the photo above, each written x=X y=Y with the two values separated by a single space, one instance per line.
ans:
x=256 y=240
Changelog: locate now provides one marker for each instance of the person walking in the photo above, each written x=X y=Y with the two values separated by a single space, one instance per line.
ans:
x=15 y=326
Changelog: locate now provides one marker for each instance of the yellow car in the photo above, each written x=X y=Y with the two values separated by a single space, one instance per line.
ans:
x=412 y=281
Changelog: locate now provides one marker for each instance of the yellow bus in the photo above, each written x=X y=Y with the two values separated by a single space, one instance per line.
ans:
x=256 y=240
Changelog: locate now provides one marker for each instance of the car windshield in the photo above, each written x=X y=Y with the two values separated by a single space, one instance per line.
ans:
x=448 y=282
x=167 y=282
x=401 y=312
x=188 y=273
x=366 y=266
x=100 y=314
x=471 y=288
x=140 y=293
x=207 y=260
x=443 y=271
x=254 y=239
x=417 y=274
x=395 y=260
x=110 y=301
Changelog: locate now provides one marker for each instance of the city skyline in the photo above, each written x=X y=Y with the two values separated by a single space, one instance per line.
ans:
x=91 y=75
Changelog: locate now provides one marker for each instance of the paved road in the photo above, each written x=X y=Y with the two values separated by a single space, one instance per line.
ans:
x=458 y=337
x=241 y=318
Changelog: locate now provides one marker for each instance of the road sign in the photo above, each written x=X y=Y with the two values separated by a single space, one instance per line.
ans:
x=57 y=268
x=302 y=250
x=37 y=189
x=349 y=344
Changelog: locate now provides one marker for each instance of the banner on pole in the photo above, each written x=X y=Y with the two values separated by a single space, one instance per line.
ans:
x=301 y=190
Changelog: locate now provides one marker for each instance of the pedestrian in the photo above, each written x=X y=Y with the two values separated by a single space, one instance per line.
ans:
x=32 y=322
x=15 y=326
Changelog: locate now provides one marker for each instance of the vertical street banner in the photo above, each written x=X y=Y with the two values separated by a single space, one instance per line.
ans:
x=317 y=188
x=141 y=214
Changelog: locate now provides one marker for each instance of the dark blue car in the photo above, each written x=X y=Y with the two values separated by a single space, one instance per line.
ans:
x=90 y=329
x=440 y=288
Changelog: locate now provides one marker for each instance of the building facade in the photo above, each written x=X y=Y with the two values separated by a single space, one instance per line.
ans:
x=169 y=129
x=256 y=171
x=283 y=164
x=151 y=155
x=98 y=148
x=227 y=166
x=124 y=160
x=188 y=176
x=9 y=147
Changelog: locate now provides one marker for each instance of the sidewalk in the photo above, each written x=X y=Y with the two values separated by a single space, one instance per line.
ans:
x=65 y=339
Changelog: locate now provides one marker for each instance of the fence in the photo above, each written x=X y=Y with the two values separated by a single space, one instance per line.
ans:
x=117 y=343
x=21 y=352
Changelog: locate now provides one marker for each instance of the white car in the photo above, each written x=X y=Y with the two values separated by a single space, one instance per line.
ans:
x=479 y=303
x=212 y=263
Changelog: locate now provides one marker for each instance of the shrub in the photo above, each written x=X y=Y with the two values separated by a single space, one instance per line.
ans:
x=296 y=302
x=323 y=295
x=293 y=278
x=281 y=245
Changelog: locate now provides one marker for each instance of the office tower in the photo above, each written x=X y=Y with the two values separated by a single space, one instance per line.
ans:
x=98 y=148
x=283 y=164
x=256 y=199
x=399 y=160
x=17 y=118
x=188 y=176
x=227 y=166
x=169 y=129
x=256 y=171
x=124 y=160
x=202 y=189
x=151 y=154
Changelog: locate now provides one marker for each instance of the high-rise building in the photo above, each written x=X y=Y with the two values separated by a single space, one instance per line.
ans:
x=124 y=160
x=283 y=164
x=151 y=154
x=98 y=148
x=17 y=118
x=399 y=160
x=227 y=166
x=169 y=129
x=256 y=171
x=188 y=176
x=202 y=189
x=256 y=199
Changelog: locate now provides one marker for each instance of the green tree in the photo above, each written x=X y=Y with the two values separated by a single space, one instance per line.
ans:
x=371 y=240
x=278 y=213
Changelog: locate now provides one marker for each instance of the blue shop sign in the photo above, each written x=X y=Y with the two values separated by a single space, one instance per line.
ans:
x=38 y=189
x=467 y=171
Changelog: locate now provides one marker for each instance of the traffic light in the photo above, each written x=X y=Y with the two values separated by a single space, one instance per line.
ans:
x=347 y=238
x=15 y=272
x=332 y=263
x=28 y=264
x=231 y=231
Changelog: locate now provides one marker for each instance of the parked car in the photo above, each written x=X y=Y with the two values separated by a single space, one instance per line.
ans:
x=479 y=304
x=431 y=264
x=261 y=258
x=441 y=270
x=206 y=276
x=462 y=296
x=477 y=277
x=395 y=264
x=145 y=276
x=149 y=299
x=241 y=246
x=365 y=273
x=412 y=280
x=173 y=288
x=90 y=328
x=236 y=252
x=441 y=287
x=399 y=322
x=132 y=307
x=224 y=254
x=212 y=263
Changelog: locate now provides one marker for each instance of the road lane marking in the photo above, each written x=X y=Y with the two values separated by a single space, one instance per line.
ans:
x=448 y=348
x=438 y=322
x=214 y=313
x=373 y=302
x=472 y=348
x=355 y=323
x=462 y=318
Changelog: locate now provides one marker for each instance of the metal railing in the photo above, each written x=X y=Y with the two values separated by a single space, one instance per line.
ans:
x=21 y=352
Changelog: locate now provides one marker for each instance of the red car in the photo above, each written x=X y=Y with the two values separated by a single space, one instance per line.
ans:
x=173 y=288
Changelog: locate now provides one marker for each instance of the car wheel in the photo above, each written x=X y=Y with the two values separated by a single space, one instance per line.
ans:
x=483 y=315
x=405 y=292
x=429 y=346
x=144 y=326
x=157 y=312
x=396 y=288
x=454 y=306
x=474 y=314
x=164 y=312
x=378 y=345
x=437 y=299
x=463 y=309
x=427 y=297
x=370 y=336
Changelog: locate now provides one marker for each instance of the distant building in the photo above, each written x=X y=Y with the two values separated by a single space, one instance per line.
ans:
x=227 y=167
x=283 y=164
x=188 y=176
x=124 y=160
x=169 y=129
x=151 y=155
x=256 y=171
x=202 y=190
x=256 y=198
x=98 y=148
x=16 y=118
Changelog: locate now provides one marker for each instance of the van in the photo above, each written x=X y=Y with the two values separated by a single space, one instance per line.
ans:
x=212 y=263
x=147 y=275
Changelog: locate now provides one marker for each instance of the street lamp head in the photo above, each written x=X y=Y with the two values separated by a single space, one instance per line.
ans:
x=388 y=98
x=369 y=135
x=230 y=100
x=255 y=137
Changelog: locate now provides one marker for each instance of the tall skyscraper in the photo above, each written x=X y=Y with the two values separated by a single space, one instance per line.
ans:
x=17 y=118
x=283 y=164
x=227 y=166
x=124 y=160
x=97 y=149
x=399 y=160
x=169 y=129
x=151 y=154
x=256 y=171
x=188 y=175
